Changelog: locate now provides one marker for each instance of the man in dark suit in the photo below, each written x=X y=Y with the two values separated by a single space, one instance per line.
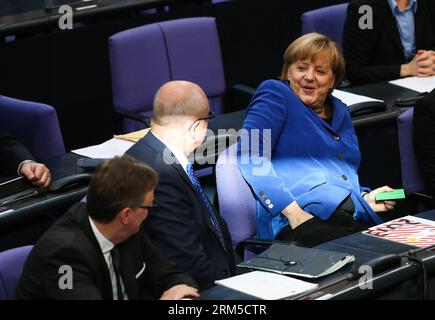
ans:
x=95 y=251
x=424 y=138
x=185 y=226
x=16 y=159
x=400 y=44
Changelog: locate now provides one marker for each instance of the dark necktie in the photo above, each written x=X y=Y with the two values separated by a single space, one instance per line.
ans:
x=211 y=214
x=115 y=261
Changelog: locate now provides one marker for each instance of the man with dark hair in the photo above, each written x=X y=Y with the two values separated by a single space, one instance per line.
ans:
x=389 y=39
x=185 y=226
x=16 y=159
x=95 y=251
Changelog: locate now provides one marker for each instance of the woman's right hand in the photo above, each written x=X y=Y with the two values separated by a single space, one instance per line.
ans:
x=295 y=215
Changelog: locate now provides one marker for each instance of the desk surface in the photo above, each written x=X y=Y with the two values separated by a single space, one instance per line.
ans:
x=363 y=247
x=25 y=15
x=51 y=204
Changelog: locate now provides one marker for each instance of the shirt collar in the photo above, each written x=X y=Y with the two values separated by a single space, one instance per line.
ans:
x=395 y=8
x=105 y=244
x=178 y=154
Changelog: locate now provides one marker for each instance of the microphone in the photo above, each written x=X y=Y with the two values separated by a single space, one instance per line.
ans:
x=40 y=192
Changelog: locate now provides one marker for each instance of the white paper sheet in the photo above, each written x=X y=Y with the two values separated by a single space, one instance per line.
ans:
x=351 y=98
x=418 y=84
x=108 y=149
x=267 y=285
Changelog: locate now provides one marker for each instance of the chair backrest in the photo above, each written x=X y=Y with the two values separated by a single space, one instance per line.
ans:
x=236 y=202
x=34 y=124
x=412 y=178
x=144 y=58
x=11 y=266
x=328 y=21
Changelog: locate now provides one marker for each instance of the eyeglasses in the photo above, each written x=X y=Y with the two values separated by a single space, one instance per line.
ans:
x=152 y=206
x=210 y=116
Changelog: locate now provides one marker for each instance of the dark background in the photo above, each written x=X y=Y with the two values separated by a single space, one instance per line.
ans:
x=70 y=69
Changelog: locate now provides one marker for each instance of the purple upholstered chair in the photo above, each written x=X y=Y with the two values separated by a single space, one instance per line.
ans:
x=34 y=124
x=328 y=21
x=412 y=178
x=11 y=266
x=236 y=201
x=144 y=58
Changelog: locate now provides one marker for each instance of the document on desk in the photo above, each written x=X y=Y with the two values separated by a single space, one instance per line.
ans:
x=267 y=285
x=286 y=258
x=352 y=98
x=418 y=84
x=410 y=230
x=109 y=149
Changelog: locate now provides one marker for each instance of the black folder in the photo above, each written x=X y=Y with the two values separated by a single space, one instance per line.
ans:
x=286 y=258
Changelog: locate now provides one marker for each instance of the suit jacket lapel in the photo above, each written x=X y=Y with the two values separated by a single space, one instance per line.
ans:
x=390 y=25
x=168 y=157
x=83 y=222
x=128 y=273
x=185 y=177
x=420 y=23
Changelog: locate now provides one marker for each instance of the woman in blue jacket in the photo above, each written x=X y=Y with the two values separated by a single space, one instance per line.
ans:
x=299 y=153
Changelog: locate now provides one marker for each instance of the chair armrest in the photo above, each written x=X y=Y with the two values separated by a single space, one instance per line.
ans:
x=241 y=246
x=424 y=198
x=135 y=116
x=240 y=96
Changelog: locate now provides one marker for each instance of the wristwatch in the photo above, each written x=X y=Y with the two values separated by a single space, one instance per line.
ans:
x=23 y=163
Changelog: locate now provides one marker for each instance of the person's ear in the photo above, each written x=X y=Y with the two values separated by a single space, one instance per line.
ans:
x=124 y=215
x=193 y=129
x=288 y=73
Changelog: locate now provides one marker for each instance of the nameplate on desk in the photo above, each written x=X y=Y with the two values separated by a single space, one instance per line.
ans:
x=410 y=230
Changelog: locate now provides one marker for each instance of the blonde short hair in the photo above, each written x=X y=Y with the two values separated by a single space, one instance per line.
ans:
x=312 y=46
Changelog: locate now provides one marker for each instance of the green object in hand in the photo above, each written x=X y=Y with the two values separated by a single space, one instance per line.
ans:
x=392 y=195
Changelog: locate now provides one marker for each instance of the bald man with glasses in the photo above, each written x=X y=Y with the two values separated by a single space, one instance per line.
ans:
x=184 y=226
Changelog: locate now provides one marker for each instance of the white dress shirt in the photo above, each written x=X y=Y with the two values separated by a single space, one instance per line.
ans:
x=106 y=246
x=178 y=154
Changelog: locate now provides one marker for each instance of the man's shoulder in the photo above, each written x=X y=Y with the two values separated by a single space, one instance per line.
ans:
x=65 y=234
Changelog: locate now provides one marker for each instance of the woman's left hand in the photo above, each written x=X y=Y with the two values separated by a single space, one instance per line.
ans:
x=379 y=206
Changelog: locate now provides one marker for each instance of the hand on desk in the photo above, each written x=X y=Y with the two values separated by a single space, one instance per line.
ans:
x=379 y=206
x=179 y=292
x=425 y=63
x=422 y=65
x=37 y=173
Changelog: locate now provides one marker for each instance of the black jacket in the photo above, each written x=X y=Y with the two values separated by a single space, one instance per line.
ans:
x=12 y=153
x=424 y=138
x=71 y=241
x=180 y=227
x=376 y=54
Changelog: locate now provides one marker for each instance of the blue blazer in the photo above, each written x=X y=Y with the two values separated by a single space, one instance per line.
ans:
x=287 y=152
